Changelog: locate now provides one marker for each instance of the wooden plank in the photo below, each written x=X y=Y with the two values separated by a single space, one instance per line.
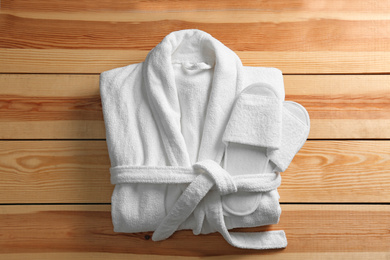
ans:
x=343 y=106
x=52 y=172
x=97 y=61
x=219 y=16
x=86 y=229
x=50 y=106
x=183 y=5
x=259 y=30
x=297 y=38
x=78 y=172
x=116 y=256
x=68 y=106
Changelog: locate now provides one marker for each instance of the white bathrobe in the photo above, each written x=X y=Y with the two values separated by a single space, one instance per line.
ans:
x=165 y=119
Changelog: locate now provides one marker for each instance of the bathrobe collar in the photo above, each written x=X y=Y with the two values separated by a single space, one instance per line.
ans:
x=160 y=86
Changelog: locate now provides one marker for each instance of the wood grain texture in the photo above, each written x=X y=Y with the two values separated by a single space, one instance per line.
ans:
x=97 y=61
x=50 y=107
x=290 y=31
x=271 y=256
x=53 y=172
x=261 y=28
x=217 y=17
x=78 y=172
x=297 y=37
x=184 y=5
x=69 y=107
x=87 y=229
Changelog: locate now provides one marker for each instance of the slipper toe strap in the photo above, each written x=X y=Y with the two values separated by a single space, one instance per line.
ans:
x=294 y=134
x=255 y=120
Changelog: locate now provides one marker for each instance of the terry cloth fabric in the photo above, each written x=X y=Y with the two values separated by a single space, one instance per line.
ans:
x=256 y=118
x=294 y=134
x=164 y=119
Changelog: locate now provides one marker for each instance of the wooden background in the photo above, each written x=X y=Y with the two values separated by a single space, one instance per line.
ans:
x=55 y=188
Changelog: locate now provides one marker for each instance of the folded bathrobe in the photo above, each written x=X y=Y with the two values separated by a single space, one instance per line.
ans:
x=165 y=119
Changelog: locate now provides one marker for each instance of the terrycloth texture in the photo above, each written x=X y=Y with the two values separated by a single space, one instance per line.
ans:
x=294 y=135
x=164 y=118
x=253 y=154
x=254 y=126
x=203 y=176
x=173 y=174
x=256 y=120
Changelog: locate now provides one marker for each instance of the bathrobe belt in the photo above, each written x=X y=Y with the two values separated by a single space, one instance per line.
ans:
x=202 y=177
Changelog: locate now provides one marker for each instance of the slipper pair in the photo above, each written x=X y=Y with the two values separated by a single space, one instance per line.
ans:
x=262 y=136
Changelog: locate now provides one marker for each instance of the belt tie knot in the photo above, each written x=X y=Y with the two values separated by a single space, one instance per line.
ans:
x=221 y=178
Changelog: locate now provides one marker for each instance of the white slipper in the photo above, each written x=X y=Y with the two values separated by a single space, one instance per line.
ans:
x=262 y=136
